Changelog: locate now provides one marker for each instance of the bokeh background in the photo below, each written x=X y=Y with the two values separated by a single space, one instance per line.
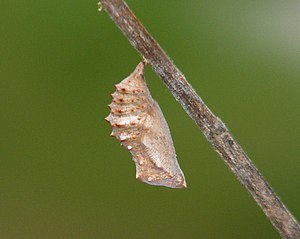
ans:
x=62 y=176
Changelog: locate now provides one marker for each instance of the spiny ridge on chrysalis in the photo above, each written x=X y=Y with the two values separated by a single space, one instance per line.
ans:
x=138 y=123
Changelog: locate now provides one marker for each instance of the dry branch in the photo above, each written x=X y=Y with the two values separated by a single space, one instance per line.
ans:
x=213 y=128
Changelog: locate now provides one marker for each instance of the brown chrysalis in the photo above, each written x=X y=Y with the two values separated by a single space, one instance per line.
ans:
x=138 y=123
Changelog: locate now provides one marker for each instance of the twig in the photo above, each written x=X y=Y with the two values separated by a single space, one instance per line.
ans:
x=213 y=128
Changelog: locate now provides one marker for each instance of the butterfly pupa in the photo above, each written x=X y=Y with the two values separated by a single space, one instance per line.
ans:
x=138 y=123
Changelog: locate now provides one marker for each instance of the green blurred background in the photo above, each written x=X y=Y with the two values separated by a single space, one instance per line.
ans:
x=62 y=176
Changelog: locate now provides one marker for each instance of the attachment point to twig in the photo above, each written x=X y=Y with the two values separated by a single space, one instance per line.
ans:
x=145 y=61
x=99 y=6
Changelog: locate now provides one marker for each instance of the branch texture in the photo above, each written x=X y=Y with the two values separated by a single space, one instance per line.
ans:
x=213 y=128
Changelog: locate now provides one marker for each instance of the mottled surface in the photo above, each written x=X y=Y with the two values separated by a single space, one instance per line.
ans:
x=140 y=126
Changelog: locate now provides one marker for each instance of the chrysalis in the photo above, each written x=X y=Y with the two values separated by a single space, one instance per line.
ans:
x=138 y=123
